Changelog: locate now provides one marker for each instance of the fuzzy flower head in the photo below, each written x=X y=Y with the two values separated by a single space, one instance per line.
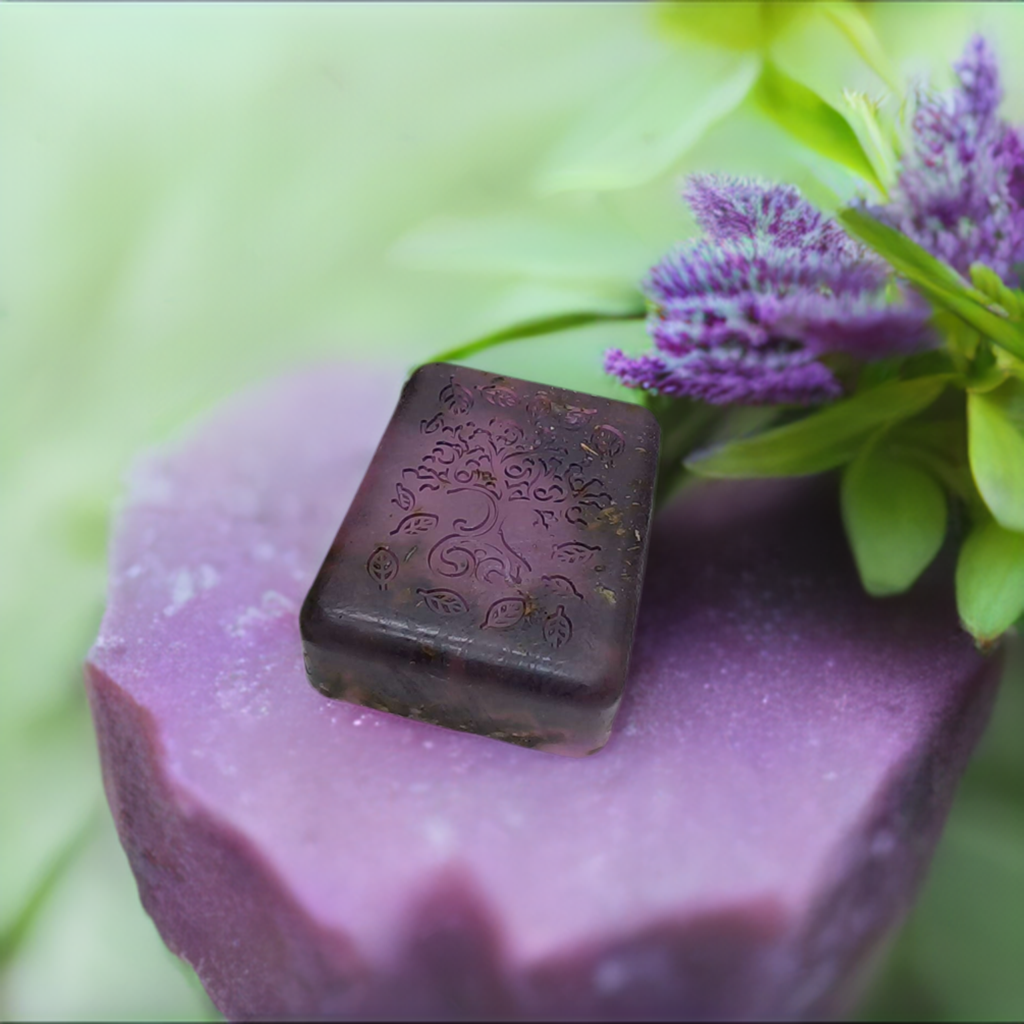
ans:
x=960 y=194
x=746 y=313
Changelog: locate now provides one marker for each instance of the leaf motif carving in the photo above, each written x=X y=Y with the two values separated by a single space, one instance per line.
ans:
x=504 y=613
x=455 y=398
x=558 y=628
x=403 y=498
x=382 y=567
x=576 y=416
x=443 y=602
x=562 y=585
x=574 y=552
x=540 y=406
x=608 y=441
x=415 y=524
x=500 y=394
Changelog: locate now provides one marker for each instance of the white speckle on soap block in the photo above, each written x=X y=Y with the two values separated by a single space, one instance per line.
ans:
x=183 y=587
x=273 y=605
x=182 y=591
x=112 y=643
x=208 y=576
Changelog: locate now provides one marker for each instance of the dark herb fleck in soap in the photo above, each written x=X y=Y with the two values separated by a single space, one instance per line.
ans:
x=487 y=575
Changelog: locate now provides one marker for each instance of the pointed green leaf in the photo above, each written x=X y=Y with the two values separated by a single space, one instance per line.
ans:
x=1002 y=331
x=940 y=282
x=985 y=279
x=823 y=440
x=807 y=117
x=640 y=131
x=865 y=120
x=895 y=517
x=990 y=581
x=906 y=256
x=996 y=449
x=534 y=327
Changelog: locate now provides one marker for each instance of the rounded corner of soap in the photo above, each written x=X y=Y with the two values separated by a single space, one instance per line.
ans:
x=649 y=420
x=428 y=370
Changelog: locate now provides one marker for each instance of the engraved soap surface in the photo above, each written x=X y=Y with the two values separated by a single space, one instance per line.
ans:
x=487 y=575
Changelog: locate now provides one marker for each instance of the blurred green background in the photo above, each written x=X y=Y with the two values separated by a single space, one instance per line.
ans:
x=196 y=197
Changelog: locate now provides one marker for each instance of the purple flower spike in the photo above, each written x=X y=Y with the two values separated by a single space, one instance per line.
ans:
x=744 y=315
x=730 y=374
x=978 y=73
x=961 y=191
x=733 y=208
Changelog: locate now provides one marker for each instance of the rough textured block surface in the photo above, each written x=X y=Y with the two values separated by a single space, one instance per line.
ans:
x=775 y=783
x=487 y=574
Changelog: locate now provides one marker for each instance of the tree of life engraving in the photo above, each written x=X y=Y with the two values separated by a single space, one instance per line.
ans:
x=475 y=453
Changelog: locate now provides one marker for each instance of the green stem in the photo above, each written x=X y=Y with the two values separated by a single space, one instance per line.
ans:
x=533 y=328
x=687 y=426
x=684 y=425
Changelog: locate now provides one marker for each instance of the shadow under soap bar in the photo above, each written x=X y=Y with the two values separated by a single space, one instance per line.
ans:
x=487 y=575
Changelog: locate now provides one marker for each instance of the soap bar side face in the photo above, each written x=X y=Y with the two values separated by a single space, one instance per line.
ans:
x=487 y=574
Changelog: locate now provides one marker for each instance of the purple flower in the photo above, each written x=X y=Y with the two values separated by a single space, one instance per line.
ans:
x=736 y=208
x=960 y=194
x=745 y=314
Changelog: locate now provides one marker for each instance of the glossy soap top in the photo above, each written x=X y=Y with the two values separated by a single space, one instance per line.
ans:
x=487 y=574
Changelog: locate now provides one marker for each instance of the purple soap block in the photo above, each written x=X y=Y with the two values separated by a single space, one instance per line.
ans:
x=487 y=575
x=779 y=772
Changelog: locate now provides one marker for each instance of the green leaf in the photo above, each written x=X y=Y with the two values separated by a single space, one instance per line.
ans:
x=990 y=581
x=940 y=282
x=874 y=139
x=1004 y=333
x=823 y=440
x=534 y=327
x=983 y=372
x=906 y=256
x=850 y=20
x=962 y=339
x=807 y=117
x=996 y=449
x=895 y=517
x=985 y=279
x=641 y=130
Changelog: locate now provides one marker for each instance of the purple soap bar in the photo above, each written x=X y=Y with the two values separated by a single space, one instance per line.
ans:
x=776 y=781
x=487 y=575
